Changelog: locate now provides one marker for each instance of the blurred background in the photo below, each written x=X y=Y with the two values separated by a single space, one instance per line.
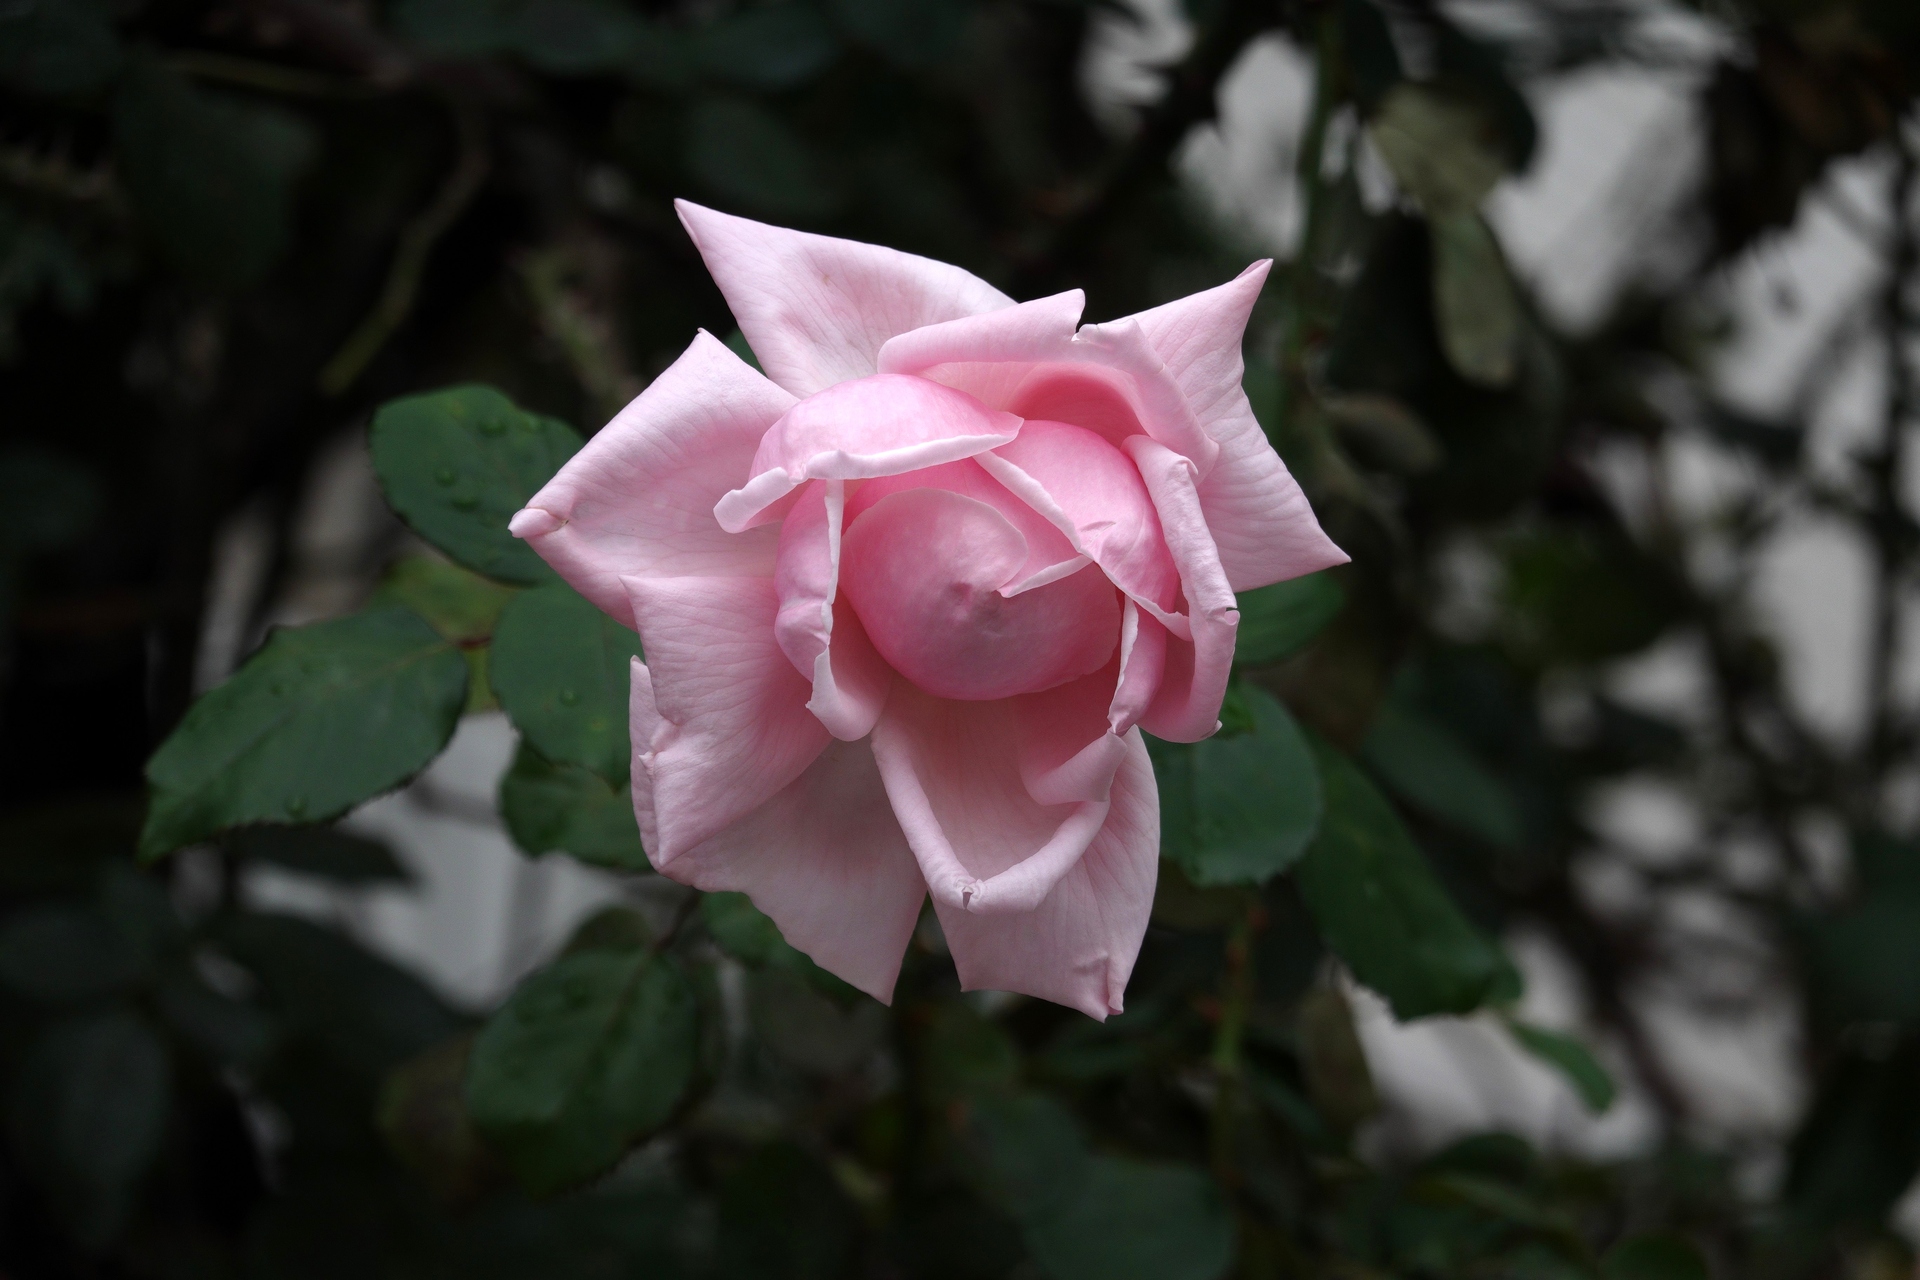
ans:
x=1591 y=336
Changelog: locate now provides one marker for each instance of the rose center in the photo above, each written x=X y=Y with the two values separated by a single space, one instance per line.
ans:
x=928 y=571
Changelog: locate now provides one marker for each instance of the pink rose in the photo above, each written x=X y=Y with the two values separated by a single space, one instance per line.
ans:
x=907 y=605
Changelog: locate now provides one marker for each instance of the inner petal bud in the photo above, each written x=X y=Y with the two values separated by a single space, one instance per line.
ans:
x=925 y=569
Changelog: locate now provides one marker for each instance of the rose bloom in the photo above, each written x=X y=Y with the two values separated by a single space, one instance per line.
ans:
x=909 y=600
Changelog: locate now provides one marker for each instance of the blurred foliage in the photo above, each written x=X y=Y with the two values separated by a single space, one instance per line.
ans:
x=231 y=233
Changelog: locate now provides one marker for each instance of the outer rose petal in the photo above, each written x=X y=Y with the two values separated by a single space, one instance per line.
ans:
x=826 y=643
x=1261 y=522
x=1078 y=946
x=1187 y=707
x=884 y=425
x=823 y=858
x=1028 y=360
x=731 y=726
x=638 y=499
x=953 y=773
x=817 y=310
x=1093 y=492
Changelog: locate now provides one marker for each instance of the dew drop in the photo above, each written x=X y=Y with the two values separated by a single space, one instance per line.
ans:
x=446 y=475
x=296 y=806
x=465 y=502
x=568 y=697
x=492 y=426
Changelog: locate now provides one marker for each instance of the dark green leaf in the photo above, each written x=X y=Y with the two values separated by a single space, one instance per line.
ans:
x=1136 y=1221
x=1241 y=809
x=771 y=47
x=327 y=852
x=1027 y=1154
x=457 y=464
x=563 y=671
x=57 y=46
x=322 y=718
x=587 y=1056
x=367 y=1013
x=807 y=1027
x=747 y=154
x=782 y=1215
x=1571 y=1059
x=66 y=955
x=88 y=1111
x=212 y=178
x=1381 y=910
x=1657 y=1255
x=1277 y=622
x=564 y=808
x=1474 y=302
x=911 y=36
x=1443 y=149
x=1425 y=764
x=967 y=1054
x=458 y=603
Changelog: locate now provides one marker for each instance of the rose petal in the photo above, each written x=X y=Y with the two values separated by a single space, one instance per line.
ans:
x=1077 y=947
x=1051 y=554
x=825 y=859
x=884 y=425
x=931 y=574
x=1094 y=493
x=1261 y=521
x=817 y=310
x=1187 y=706
x=825 y=644
x=733 y=727
x=953 y=774
x=637 y=500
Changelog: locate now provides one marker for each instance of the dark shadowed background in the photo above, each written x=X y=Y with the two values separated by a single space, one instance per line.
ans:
x=1548 y=907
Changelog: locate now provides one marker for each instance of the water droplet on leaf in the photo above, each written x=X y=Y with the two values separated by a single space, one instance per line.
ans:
x=296 y=806
x=446 y=475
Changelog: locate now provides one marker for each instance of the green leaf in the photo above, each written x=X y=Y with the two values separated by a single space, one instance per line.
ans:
x=1381 y=910
x=1656 y=1255
x=1241 y=809
x=771 y=47
x=1277 y=622
x=212 y=178
x=327 y=852
x=746 y=153
x=587 y=1057
x=457 y=464
x=1027 y=1154
x=66 y=955
x=1426 y=765
x=1571 y=1059
x=1474 y=303
x=563 y=671
x=966 y=1054
x=911 y=36
x=320 y=719
x=1136 y=1221
x=1442 y=149
x=567 y=809
x=458 y=603
x=88 y=1111
x=58 y=46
